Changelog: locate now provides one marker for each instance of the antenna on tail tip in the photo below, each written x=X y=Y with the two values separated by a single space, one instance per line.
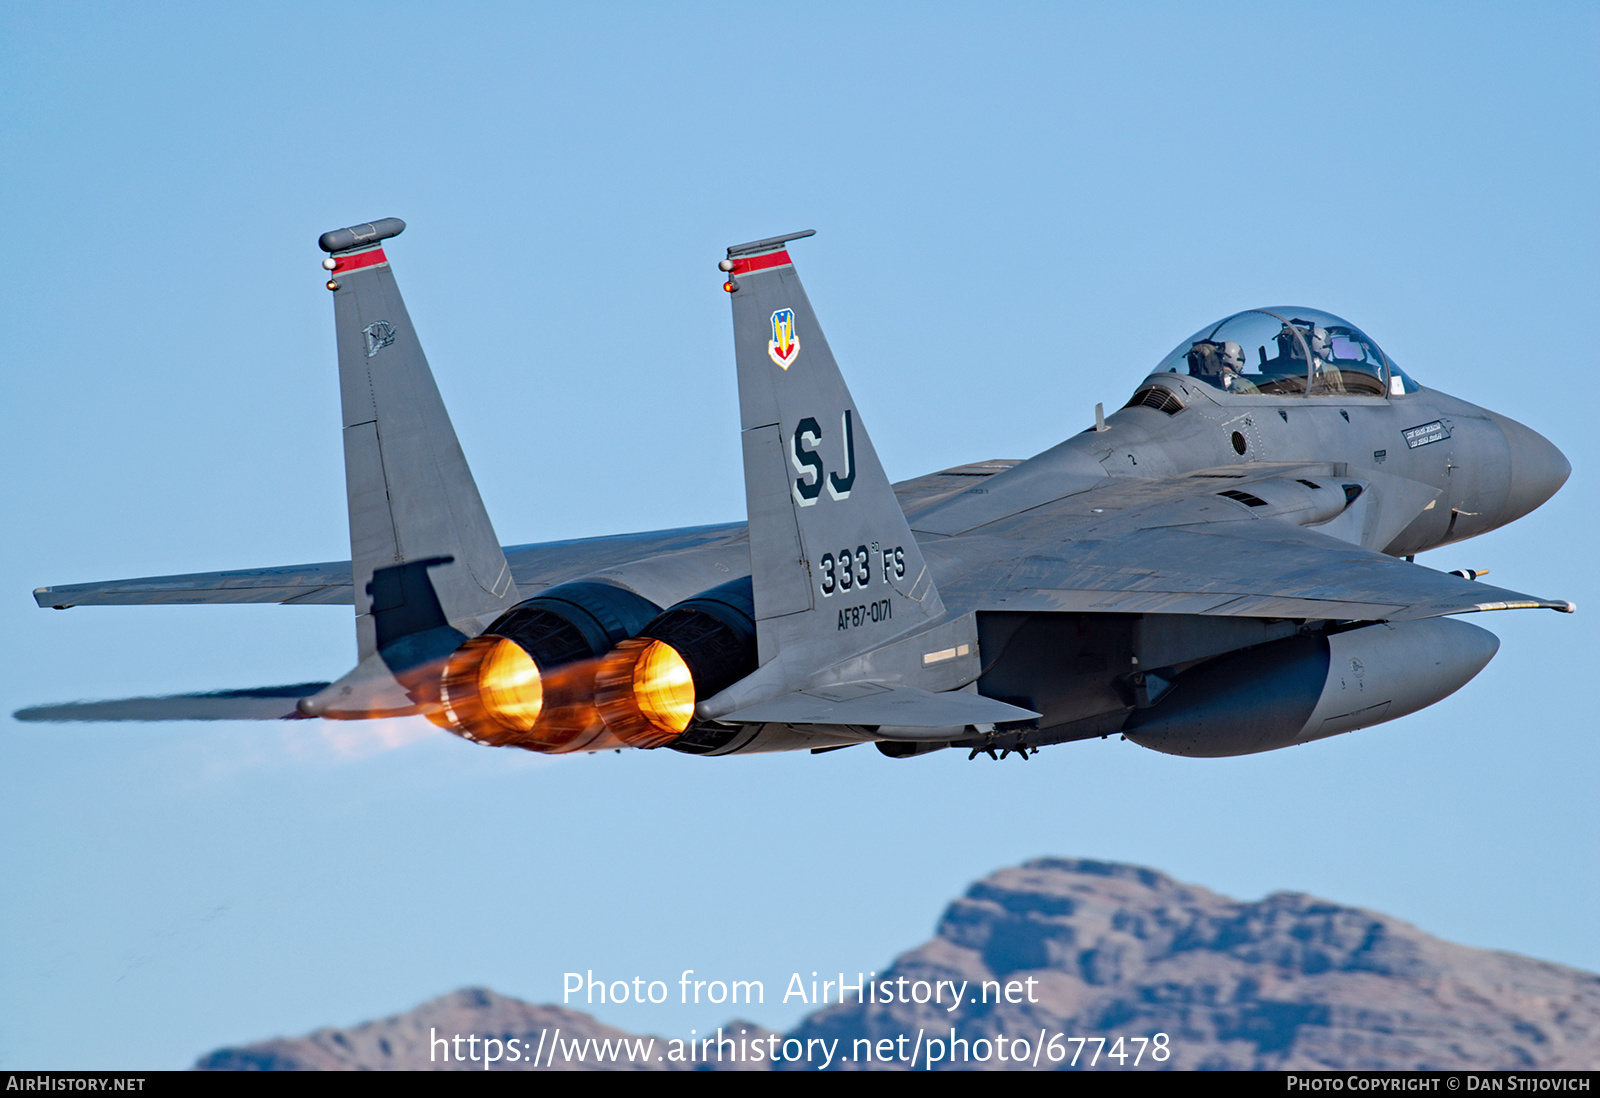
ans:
x=769 y=242
x=359 y=236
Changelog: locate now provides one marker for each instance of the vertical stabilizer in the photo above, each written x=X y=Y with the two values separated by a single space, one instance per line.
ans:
x=427 y=566
x=834 y=566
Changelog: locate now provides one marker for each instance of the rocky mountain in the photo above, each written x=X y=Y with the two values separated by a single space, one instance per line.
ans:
x=1288 y=982
x=420 y=1040
x=1090 y=949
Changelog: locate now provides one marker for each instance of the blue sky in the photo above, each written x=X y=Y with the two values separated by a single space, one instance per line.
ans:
x=1020 y=209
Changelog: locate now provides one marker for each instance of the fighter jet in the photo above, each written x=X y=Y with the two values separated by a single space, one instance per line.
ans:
x=1222 y=566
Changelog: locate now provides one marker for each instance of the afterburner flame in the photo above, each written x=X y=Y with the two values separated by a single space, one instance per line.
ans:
x=664 y=688
x=495 y=693
x=645 y=692
x=492 y=691
x=509 y=684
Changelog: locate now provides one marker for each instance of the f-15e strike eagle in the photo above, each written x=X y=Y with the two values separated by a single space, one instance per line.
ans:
x=1220 y=567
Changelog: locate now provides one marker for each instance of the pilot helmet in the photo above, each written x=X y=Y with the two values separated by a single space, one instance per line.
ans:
x=1232 y=357
x=1321 y=343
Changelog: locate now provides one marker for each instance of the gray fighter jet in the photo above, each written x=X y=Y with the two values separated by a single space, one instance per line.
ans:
x=1221 y=567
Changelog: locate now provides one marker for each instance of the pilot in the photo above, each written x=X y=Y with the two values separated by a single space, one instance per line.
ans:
x=1321 y=343
x=1231 y=361
x=1220 y=364
x=1325 y=376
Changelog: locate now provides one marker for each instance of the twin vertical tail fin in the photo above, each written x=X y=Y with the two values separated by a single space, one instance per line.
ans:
x=834 y=567
x=427 y=567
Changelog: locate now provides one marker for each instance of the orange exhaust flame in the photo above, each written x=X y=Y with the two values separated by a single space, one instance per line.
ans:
x=494 y=693
x=509 y=684
x=645 y=692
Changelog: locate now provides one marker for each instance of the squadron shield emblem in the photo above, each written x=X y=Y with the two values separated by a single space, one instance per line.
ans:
x=784 y=345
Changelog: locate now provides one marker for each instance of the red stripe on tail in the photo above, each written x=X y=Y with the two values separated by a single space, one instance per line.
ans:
x=761 y=262
x=363 y=259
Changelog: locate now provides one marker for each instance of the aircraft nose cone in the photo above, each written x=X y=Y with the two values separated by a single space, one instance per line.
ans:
x=1538 y=469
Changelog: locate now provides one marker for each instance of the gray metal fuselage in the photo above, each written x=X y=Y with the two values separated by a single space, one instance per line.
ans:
x=1082 y=671
x=1489 y=470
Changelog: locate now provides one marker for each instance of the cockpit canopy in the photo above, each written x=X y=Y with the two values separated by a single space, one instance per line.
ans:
x=1287 y=350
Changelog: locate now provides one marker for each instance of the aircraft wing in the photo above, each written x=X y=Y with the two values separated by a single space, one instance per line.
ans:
x=1182 y=545
x=532 y=566
x=329 y=583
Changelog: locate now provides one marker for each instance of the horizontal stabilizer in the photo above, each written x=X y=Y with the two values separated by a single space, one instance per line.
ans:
x=300 y=584
x=896 y=711
x=264 y=703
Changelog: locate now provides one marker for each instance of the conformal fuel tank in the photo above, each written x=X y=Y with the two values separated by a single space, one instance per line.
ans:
x=1310 y=686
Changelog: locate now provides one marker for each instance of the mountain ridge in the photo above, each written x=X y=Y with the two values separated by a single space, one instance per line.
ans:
x=1105 y=949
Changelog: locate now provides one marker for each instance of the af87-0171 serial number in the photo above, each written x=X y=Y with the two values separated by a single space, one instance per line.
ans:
x=866 y=613
x=852 y=569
